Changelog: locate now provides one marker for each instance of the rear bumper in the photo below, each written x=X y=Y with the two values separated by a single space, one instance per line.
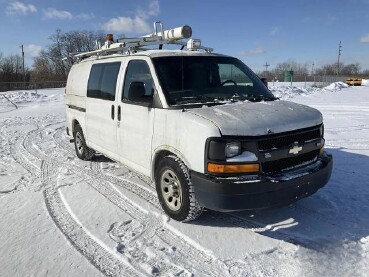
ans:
x=261 y=192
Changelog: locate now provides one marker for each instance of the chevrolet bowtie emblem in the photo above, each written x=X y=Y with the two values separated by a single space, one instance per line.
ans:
x=295 y=150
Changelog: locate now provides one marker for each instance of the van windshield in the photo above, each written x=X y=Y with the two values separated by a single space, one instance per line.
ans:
x=207 y=79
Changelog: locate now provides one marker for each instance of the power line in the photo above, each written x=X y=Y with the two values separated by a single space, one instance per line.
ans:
x=266 y=66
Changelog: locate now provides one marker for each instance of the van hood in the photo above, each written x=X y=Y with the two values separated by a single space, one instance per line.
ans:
x=261 y=118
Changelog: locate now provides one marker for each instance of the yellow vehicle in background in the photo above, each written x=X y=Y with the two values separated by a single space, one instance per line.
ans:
x=354 y=81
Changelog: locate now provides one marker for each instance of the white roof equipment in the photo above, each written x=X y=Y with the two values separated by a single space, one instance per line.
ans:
x=158 y=37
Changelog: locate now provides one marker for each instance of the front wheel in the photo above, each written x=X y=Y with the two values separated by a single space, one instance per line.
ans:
x=82 y=150
x=175 y=190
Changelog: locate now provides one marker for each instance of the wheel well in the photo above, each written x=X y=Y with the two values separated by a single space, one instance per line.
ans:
x=161 y=154
x=74 y=124
x=158 y=157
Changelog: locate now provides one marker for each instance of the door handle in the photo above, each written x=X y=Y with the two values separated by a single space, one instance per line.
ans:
x=112 y=112
x=119 y=113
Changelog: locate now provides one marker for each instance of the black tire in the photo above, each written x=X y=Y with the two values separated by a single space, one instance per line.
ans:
x=175 y=190
x=82 y=150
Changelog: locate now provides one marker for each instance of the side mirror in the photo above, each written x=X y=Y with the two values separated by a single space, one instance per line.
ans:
x=265 y=81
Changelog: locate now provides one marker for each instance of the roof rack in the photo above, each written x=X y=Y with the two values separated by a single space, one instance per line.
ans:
x=158 y=37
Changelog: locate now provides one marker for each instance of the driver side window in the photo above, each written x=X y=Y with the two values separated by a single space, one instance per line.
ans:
x=138 y=83
x=231 y=74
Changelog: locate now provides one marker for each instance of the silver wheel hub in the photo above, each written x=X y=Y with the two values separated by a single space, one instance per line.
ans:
x=171 y=190
x=79 y=143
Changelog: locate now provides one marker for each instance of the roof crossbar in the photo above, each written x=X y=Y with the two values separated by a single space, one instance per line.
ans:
x=159 y=38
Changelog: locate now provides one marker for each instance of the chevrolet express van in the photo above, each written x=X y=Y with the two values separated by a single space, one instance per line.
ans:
x=203 y=126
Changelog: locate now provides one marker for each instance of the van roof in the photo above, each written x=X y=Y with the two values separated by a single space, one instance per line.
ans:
x=164 y=53
x=157 y=53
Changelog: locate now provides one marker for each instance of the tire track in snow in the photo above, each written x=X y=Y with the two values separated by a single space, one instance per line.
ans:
x=102 y=259
x=23 y=158
x=13 y=150
x=194 y=258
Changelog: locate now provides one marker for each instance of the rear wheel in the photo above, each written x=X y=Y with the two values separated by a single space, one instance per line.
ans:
x=82 y=150
x=175 y=190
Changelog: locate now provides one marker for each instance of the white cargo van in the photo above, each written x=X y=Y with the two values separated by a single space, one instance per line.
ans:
x=203 y=126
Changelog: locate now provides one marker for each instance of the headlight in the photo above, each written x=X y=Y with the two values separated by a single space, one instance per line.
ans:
x=232 y=149
x=231 y=157
x=322 y=130
x=245 y=156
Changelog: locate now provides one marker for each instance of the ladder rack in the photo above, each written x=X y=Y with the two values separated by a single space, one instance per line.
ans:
x=132 y=45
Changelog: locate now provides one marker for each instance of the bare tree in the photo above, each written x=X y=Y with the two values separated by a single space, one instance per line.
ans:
x=50 y=61
x=1 y=67
x=351 y=69
x=43 y=69
x=329 y=69
x=300 y=70
x=365 y=73
x=11 y=69
x=55 y=53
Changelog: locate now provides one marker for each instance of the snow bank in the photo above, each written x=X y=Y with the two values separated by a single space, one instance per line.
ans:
x=289 y=92
x=21 y=97
x=288 y=84
x=336 y=86
x=365 y=82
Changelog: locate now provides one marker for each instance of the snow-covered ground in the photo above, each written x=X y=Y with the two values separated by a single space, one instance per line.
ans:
x=60 y=216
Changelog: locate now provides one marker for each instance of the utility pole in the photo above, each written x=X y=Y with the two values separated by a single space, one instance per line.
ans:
x=312 y=72
x=24 y=74
x=266 y=66
x=339 y=54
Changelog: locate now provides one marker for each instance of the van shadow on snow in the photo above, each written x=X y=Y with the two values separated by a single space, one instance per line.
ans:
x=98 y=158
x=334 y=215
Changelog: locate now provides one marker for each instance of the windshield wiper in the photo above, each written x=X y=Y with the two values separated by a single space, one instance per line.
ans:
x=236 y=97
x=195 y=99
x=258 y=98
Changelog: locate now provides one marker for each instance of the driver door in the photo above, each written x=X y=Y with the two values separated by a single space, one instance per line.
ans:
x=135 y=116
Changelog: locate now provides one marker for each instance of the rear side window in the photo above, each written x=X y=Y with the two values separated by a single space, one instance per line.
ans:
x=103 y=80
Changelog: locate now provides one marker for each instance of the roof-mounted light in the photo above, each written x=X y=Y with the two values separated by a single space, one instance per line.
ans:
x=109 y=37
x=193 y=44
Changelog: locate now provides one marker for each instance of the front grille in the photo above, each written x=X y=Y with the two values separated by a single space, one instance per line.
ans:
x=279 y=165
x=286 y=140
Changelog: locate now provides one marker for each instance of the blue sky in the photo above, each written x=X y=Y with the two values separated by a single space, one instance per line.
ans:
x=307 y=31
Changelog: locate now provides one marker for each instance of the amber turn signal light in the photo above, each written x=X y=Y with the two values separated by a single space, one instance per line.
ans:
x=109 y=37
x=233 y=168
